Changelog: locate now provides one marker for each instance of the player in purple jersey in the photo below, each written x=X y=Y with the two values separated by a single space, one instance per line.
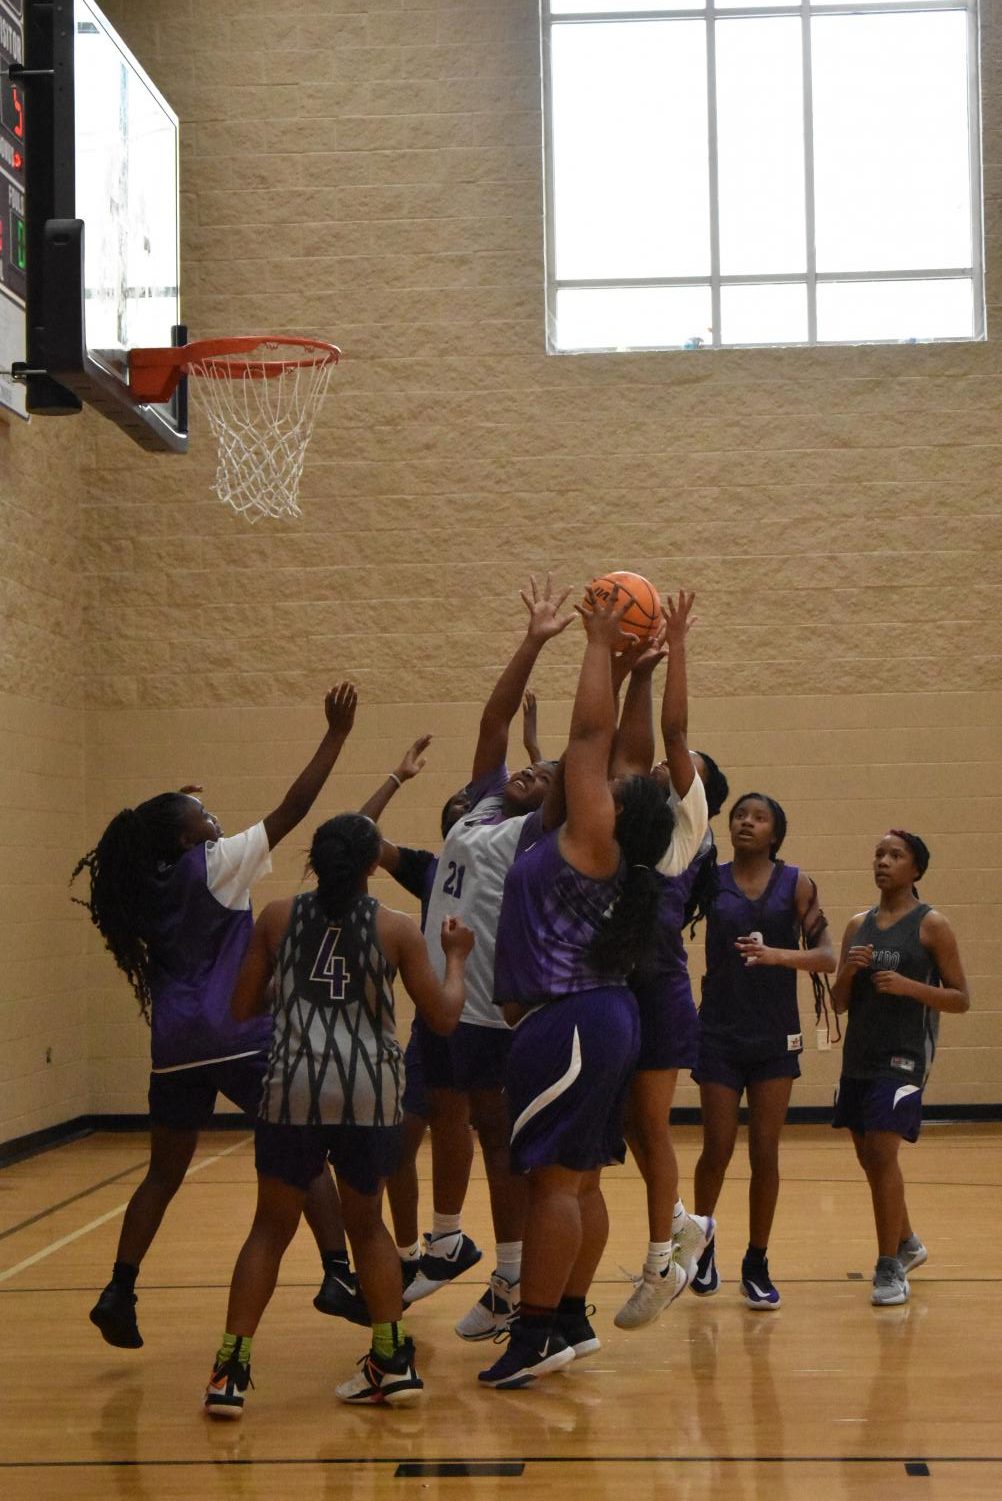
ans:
x=170 y=896
x=668 y=1022
x=469 y=882
x=578 y=913
x=750 y=1035
x=899 y=969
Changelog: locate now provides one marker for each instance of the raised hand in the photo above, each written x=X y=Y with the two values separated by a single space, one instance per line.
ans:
x=339 y=706
x=602 y=618
x=413 y=759
x=678 y=618
x=545 y=620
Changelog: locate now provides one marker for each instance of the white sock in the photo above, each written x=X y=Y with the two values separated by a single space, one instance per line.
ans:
x=446 y=1236
x=409 y=1253
x=509 y=1260
x=658 y=1255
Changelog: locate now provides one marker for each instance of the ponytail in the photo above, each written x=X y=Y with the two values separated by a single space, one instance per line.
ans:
x=626 y=937
x=705 y=888
x=343 y=851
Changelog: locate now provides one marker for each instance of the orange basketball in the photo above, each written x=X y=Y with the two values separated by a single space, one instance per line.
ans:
x=643 y=613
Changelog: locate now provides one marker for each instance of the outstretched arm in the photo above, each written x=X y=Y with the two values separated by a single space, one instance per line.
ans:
x=339 y=706
x=675 y=705
x=530 y=727
x=545 y=621
x=588 y=839
x=410 y=763
x=633 y=747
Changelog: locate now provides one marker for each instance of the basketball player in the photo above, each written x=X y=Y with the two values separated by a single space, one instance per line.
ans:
x=332 y=1092
x=579 y=910
x=899 y=968
x=170 y=896
x=468 y=883
x=750 y=1036
x=669 y=1028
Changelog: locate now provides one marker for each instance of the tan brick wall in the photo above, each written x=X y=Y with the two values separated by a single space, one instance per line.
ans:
x=44 y=1073
x=371 y=172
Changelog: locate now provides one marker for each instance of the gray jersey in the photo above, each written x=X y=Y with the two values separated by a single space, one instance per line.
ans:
x=334 y=1058
x=469 y=883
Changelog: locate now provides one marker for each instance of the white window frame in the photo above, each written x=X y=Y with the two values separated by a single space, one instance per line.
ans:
x=715 y=281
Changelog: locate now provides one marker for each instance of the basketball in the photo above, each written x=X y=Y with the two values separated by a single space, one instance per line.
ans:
x=643 y=613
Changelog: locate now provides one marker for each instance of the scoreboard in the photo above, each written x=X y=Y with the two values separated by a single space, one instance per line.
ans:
x=12 y=227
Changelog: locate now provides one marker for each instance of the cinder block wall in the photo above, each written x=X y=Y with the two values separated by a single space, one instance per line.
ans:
x=44 y=1070
x=372 y=172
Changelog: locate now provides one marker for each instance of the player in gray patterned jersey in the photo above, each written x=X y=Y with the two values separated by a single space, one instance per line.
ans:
x=332 y=1092
x=899 y=968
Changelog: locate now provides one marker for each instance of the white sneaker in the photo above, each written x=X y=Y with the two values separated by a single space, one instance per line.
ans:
x=491 y=1313
x=652 y=1294
x=890 y=1285
x=912 y=1253
x=693 y=1239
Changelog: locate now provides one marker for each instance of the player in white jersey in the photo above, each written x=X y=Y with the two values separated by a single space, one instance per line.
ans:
x=469 y=882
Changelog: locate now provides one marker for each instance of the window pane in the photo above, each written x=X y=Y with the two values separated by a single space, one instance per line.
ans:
x=764 y=314
x=760 y=145
x=856 y=311
x=892 y=175
x=633 y=317
x=630 y=160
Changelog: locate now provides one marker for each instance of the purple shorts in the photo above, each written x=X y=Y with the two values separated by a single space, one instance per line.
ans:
x=185 y=1098
x=722 y=1064
x=472 y=1058
x=362 y=1155
x=568 y=1078
x=415 y=1095
x=669 y=1022
x=863 y=1105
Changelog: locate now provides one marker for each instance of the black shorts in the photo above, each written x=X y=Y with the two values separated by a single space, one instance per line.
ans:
x=185 y=1098
x=721 y=1063
x=362 y=1155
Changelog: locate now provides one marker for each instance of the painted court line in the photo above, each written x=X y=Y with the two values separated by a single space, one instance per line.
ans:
x=103 y=1219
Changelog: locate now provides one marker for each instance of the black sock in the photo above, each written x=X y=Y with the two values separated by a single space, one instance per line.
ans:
x=755 y=1255
x=575 y=1307
x=334 y=1261
x=124 y=1275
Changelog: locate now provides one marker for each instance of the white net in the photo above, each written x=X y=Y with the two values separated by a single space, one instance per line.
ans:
x=262 y=413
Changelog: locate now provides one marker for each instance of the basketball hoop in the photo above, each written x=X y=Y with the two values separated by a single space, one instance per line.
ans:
x=261 y=394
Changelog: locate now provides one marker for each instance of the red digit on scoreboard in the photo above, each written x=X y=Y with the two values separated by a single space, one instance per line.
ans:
x=19 y=111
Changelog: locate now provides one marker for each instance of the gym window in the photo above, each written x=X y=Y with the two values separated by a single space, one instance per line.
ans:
x=720 y=173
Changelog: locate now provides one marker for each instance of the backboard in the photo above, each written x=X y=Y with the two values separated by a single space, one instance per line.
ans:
x=101 y=221
x=13 y=253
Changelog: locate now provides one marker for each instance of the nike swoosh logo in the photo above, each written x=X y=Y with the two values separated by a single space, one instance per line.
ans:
x=703 y=1278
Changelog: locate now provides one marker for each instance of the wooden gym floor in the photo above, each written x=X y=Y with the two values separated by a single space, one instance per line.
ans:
x=826 y=1398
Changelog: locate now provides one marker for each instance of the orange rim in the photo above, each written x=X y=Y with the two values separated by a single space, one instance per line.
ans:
x=154 y=373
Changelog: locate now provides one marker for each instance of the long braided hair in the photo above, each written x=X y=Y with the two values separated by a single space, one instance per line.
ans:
x=343 y=851
x=644 y=823
x=122 y=867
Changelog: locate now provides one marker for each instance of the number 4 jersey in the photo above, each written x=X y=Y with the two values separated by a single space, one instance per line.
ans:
x=334 y=1057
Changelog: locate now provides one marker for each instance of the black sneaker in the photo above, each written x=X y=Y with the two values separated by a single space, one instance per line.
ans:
x=757 y=1287
x=384 y=1378
x=224 y=1395
x=525 y=1360
x=576 y=1330
x=436 y=1270
x=339 y=1296
x=114 y=1313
